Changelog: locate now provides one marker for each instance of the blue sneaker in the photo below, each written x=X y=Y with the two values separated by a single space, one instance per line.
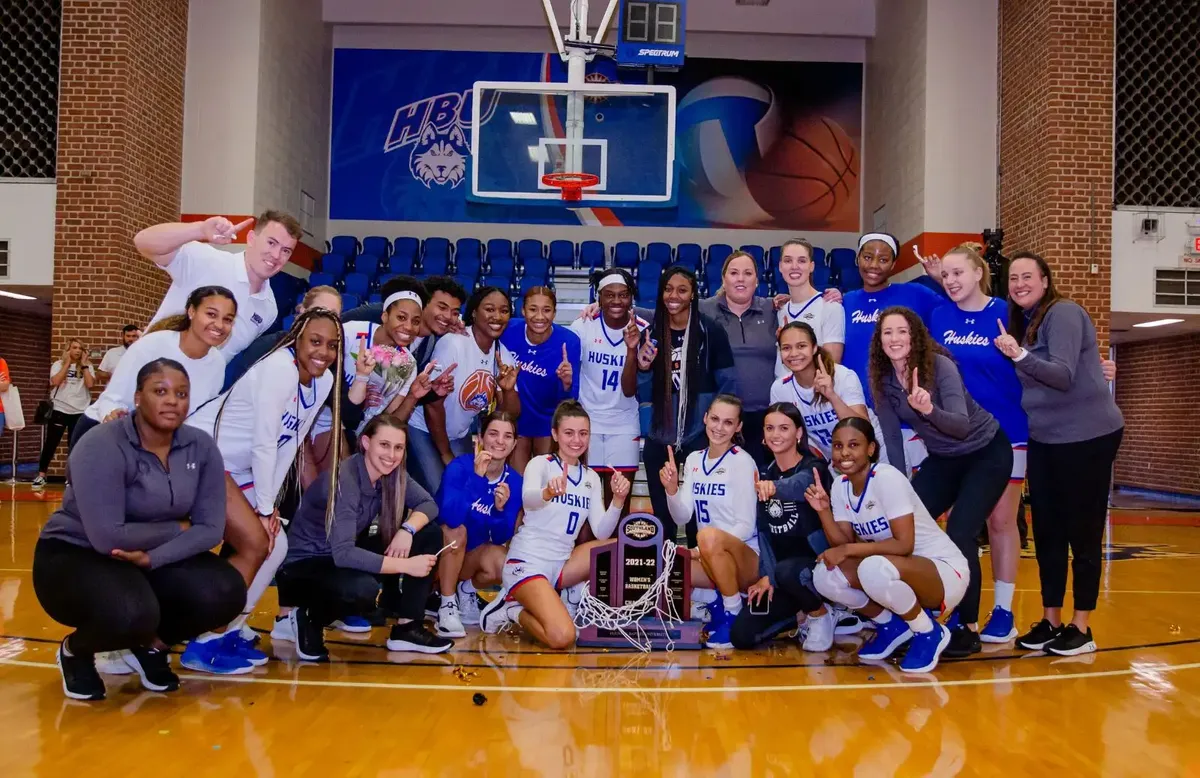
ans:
x=924 y=650
x=210 y=657
x=888 y=637
x=235 y=644
x=352 y=624
x=1000 y=627
x=719 y=629
x=951 y=623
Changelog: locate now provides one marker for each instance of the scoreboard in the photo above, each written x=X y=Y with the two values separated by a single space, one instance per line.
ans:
x=651 y=32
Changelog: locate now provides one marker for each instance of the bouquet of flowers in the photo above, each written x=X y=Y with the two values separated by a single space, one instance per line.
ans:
x=394 y=365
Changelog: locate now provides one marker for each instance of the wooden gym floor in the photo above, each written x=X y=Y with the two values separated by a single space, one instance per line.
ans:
x=1131 y=709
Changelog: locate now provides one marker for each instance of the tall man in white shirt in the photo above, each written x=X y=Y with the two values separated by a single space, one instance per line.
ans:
x=187 y=252
x=129 y=335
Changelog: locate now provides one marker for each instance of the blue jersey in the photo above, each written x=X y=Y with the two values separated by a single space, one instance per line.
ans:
x=466 y=499
x=538 y=384
x=862 y=311
x=989 y=376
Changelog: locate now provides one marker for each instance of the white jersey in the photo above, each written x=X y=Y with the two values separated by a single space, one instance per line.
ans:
x=206 y=375
x=475 y=381
x=266 y=413
x=888 y=496
x=549 y=529
x=380 y=392
x=601 y=362
x=827 y=319
x=819 y=416
x=720 y=491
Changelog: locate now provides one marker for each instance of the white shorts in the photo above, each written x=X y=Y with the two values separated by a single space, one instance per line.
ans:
x=914 y=449
x=323 y=423
x=518 y=571
x=245 y=482
x=954 y=581
x=620 y=452
x=1018 y=471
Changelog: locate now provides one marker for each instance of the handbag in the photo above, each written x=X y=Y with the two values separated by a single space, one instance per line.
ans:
x=44 y=414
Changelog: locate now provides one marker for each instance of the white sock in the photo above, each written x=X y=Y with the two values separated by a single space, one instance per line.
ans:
x=834 y=586
x=447 y=599
x=733 y=604
x=884 y=617
x=262 y=580
x=921 y=622
x=1004 y=594
x=704 y=596
x=207 y=636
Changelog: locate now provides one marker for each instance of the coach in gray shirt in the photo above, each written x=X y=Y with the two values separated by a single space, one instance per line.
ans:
x=1075 y=429
x=750 y=323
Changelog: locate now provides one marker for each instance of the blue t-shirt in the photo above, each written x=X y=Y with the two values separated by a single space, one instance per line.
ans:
x=988 y=375
x=538 y=384
x=466 y=499
x=862 y=311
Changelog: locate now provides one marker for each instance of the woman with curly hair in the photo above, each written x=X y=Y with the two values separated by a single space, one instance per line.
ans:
x=917 y=384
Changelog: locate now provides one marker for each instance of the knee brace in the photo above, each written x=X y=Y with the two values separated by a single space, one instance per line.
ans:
x=881 y=581
x=833 y=586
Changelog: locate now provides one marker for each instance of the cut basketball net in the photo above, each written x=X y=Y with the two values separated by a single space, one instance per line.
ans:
x=625 y=620
x=571 y=184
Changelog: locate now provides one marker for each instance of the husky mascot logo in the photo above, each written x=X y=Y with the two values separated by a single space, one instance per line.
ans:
x=439 y=156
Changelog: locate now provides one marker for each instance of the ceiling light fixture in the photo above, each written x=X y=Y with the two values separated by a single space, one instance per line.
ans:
x=16 y=296
x=1158 y=323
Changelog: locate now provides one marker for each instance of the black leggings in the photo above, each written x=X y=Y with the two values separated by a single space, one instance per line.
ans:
x=1068 y=495
x=654 y=456
x=115 y=605
x=972 y=485
x=81 y=428
x=330 y=592
x=794 y=593
x=58 y=424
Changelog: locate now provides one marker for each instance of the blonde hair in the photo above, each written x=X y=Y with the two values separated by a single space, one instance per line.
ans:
x=972 y=251
x=725 y=267
x=314 y=293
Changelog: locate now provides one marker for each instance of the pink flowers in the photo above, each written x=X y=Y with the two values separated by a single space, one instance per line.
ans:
x=394 y=365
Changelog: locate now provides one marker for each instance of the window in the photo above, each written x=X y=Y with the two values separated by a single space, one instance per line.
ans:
x=1176 y=287
x=666 y=23
x=29 y=37
x=308 y=212
x=637 y=22
x=3 y=259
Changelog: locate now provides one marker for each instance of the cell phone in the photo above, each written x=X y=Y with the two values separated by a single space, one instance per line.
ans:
x=761 y=606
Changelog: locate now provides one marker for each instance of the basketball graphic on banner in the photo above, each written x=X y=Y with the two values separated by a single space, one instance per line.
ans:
x=475 y=393
x=810 y=174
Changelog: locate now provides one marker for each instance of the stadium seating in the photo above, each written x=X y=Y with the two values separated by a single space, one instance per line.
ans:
x=357 y=284
x=536 y=267
x=401 y=265
x=469 y=248
x=434 y=265
x=503 y=282
x=346 y=245
x=467 y=282
x=530 y=248
x=717 y=254
x=320 y=279
x=690 y=255
x=562 y=253
x=375 y=299
x=627 y=254
x=468 y=264
x=498 y=248
x=659 y=253
x=592 y=254
x=350 y=301
x=760 y=260
x=383 y=279
x=367 y=264
x=380 y=247
x=406 y=247
x=501 y=265
x=436 y=248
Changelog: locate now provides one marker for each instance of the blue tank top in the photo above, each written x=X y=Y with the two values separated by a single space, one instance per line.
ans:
x=988 y=375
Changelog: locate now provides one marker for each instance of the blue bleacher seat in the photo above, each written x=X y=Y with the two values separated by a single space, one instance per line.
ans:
x=300 y=298
x=840 y=258
x=467 y=265
x=529 y=282
x=562 y=253
x=367 y=264
x=439 y=248
x=717 y=254
x=379 y=246
x=468 y=247
x=591 y=254
x=467 y=282
x=690 y=255
x=649 y=269
x=502 y=266
x=712 y=275
x=773 y=255
x=530 y=248
x=537 y=268
x=346 y=245
x=320 y=279
x=499 y=247
x=434 y=266
x=350 y=301
x=760 y=256
x=627 y=254
x=383 y=279
x=334 y=265
x=287 y=321
x=406 y=247
x=505 y=283
x=764 y=289
x=820 y=277
x=399 y=265
x=375 y=298
x=819 y=256
x=357 y=284
x=658 y=252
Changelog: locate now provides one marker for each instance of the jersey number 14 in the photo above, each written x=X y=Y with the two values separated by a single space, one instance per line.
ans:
x=612 y=380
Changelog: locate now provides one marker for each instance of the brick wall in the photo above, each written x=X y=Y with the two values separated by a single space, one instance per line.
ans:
x=120 y=142
x=1056 y=142
x=25 y=346
x=1160 y=450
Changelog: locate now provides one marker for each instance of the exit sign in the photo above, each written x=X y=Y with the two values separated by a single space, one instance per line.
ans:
x=1196 y=244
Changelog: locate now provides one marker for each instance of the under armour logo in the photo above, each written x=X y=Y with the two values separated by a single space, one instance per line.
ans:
x=191 y=465
x=970 y=321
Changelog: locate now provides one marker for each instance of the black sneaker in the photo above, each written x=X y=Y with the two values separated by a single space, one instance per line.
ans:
x=1038 y=636
x=154 y=668
x=1072 y=642
x=432 y=603
x=310 y=638
x=963 y=642
x=80 y=679
x=414 y=637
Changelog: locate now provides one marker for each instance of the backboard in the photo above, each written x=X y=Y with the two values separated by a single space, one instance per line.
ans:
x=624 y=135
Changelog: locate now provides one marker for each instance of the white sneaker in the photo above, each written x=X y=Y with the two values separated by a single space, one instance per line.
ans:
x=571 y=597
x=449 y=624
x=468 y=605
x=494 y=616
x=820 y=633
x=112 y=663
x=846 y=622
x=285 y=628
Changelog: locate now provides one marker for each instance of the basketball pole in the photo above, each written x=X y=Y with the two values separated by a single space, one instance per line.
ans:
x=576 y=76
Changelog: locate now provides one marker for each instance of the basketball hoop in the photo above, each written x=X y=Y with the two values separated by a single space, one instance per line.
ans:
x=571 y=184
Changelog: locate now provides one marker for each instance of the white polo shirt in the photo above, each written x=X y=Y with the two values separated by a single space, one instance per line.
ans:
x=199 y=264
x=111 y=358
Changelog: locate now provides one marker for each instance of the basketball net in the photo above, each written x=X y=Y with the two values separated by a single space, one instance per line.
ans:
x=626 y=619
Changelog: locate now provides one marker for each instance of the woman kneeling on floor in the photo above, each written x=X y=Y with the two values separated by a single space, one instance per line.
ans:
x=335 y=565
x=126 y=559
x=888 y=557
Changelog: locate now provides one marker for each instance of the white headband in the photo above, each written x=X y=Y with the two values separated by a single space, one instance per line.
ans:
x=610 y=279
x=404 y=295
x=883 y=236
